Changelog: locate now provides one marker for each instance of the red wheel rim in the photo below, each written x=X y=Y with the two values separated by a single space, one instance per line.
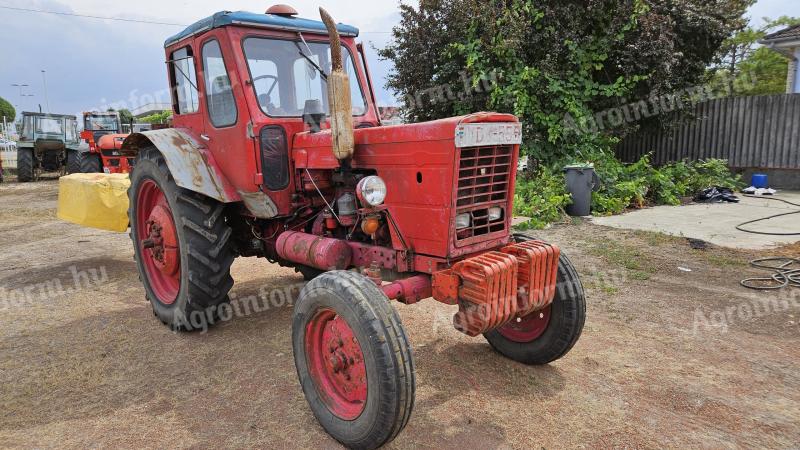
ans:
x=336 y=364
x=157 y=239
x=527 y=329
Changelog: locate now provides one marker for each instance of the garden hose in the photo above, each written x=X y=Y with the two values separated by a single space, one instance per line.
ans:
x=785 y=274
x=740 y=227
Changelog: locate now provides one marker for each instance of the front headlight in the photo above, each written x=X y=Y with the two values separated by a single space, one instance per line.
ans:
x=463 y=221
x=371 y=191
x=495 y=214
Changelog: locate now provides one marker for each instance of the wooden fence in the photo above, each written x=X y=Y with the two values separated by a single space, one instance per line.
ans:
x=750 y=132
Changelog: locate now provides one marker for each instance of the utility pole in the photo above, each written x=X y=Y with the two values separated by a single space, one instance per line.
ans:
x=46 y=98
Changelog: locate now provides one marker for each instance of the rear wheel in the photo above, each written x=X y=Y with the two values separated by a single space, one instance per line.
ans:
x=182 y=246
x=25 y=165
x=90 y=163
x=353 y=359
x=73 y=163
x=547 y=335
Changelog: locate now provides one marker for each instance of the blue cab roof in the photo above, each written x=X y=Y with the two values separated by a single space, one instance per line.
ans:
x=270 y=21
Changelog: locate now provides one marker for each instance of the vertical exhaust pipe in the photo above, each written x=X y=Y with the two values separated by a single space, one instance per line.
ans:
x=341 y=107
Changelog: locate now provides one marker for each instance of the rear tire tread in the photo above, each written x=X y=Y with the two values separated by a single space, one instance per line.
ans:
x=25 y=165
x=89 y=162
x=209 y=248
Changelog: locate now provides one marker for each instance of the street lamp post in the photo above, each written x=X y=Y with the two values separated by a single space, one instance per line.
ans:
x=46 y=98
x=22 y=95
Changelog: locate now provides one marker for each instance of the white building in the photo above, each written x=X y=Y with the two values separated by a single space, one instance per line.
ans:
x=787 y=42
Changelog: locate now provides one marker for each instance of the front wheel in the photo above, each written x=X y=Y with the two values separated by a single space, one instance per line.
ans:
x=353 y=359
x=547 y=335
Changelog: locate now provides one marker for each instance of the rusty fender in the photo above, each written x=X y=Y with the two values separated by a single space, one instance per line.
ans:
x=191 y=164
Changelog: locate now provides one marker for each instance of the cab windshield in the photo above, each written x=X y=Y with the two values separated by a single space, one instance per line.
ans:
x=284 y=80
x=48 y=125
x=101 y=123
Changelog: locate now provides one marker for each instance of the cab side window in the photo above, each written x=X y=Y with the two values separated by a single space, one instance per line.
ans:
x=220 y=100
x=184 y=81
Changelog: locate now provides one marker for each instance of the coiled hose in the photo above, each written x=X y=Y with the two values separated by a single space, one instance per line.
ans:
x=785 y=271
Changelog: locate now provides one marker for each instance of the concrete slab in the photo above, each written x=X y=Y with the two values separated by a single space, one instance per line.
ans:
x=716 y=223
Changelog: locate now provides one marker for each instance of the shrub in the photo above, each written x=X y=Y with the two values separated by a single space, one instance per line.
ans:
x=543 y=196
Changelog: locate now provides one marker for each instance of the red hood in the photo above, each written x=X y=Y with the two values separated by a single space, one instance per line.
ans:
x=436 y=130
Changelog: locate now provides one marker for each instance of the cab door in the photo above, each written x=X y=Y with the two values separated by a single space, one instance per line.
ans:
x=228 y=130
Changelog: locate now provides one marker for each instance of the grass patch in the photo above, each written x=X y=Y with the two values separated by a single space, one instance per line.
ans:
x=603 y=286
x=622 y=255
x=655 y=239
x=639 y=275
x=722 y=261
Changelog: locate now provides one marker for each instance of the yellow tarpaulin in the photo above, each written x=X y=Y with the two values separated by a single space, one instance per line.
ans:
x=94 y=200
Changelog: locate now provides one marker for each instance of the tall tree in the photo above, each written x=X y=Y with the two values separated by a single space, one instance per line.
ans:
x=125 y=116
x=749 y=69
x=545 y=60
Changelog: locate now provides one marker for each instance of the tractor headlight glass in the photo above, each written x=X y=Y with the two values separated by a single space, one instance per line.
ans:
x=495 y=214
x=371 y=191
x=463 y=221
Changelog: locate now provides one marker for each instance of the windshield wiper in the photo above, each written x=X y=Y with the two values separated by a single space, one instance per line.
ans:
x=308 y=58
x=173 y=61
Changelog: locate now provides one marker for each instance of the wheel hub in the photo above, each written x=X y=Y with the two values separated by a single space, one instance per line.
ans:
x=336 y=364
x=157 y=237
x=161 y=240
x=529 y=328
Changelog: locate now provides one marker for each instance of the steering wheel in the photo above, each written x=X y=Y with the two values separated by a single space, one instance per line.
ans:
x=267 y=77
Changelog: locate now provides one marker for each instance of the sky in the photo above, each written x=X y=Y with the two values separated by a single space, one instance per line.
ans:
x=96 y=63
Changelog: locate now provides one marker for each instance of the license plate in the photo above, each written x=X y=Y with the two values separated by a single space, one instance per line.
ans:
x=484 y=134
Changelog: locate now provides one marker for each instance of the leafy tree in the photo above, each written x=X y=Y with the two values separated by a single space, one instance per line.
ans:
x=125 y=116
x=157 y=118
x=549 y=60
x=749 y=68
x=7 y=110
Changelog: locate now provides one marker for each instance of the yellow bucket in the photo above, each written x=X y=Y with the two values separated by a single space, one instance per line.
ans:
x=95 y=200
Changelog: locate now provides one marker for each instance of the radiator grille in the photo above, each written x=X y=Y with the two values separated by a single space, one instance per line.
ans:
x=484 y=174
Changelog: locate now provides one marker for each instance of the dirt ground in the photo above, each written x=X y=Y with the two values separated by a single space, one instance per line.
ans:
x=669 y=357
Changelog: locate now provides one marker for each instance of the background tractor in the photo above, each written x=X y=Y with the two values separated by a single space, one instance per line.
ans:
x=47 y=143
x=278 y=152
x=102 y=132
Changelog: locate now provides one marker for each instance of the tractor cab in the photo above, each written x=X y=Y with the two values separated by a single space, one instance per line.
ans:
x=47 y=143
x=245 y=85
x=102 y=135
x=101 y=123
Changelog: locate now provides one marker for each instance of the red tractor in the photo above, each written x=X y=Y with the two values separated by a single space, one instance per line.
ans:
x=102 y=131
x=278 y=152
